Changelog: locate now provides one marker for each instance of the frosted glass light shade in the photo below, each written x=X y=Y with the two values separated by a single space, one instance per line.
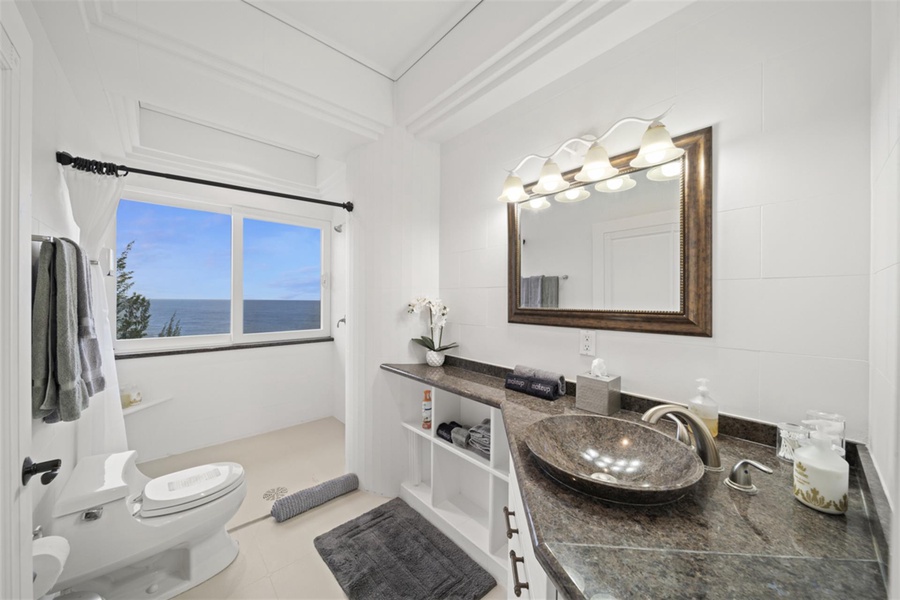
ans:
x=666 y=172
x=551 y=179
x=656 y=147
x=596 y=165
x=513 y=191
x=616 y=184
x=572 y=195
x=536 y=204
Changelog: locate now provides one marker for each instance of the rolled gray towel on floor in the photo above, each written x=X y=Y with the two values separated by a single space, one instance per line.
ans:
x=547 y=376
x=302 y=501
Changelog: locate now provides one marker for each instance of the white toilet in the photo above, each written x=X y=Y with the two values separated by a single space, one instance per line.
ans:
x=136 y=537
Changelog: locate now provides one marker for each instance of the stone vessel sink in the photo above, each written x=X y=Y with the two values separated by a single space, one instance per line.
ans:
x=614 y=460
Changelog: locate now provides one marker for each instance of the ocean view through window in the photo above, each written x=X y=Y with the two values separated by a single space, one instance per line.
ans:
x=178 y=276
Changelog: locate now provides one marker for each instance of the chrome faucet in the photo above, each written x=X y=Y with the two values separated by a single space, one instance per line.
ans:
x=705 y=443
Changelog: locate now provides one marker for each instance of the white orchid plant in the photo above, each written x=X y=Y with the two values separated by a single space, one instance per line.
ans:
x=437 y=318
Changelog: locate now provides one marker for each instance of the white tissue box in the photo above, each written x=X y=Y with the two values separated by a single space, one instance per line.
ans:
x=598 y=394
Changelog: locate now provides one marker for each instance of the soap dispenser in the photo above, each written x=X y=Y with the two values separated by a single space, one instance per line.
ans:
x=821 y=476
x=705 y=407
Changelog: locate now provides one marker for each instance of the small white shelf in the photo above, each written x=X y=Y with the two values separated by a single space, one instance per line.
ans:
x=144 y=405
x=417 y=429
x=466 y=517
x=475 y=459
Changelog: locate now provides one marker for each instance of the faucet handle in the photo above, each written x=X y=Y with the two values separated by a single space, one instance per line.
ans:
x=740 y=476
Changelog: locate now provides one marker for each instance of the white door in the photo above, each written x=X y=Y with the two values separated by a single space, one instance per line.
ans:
x=15 y=301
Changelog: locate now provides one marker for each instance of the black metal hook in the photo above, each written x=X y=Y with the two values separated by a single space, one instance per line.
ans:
x=49 y=468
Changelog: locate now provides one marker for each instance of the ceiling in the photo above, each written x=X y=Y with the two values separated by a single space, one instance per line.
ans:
x=388 y=36
x=198 y=85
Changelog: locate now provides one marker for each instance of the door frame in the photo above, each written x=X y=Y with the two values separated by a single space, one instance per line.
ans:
x=16 y=76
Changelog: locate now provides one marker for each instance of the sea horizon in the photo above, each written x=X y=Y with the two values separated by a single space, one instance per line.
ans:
x=213 y=316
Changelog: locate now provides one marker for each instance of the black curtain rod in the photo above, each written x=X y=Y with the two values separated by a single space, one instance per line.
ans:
x=105 y=168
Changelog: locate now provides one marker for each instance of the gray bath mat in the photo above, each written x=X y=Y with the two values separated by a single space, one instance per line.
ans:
x=392 y=552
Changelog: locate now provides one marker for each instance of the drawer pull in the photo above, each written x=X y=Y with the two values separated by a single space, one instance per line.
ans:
x=517 y=586
x=509 y=530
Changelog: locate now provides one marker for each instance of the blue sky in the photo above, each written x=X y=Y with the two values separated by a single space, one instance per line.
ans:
x=180 y=253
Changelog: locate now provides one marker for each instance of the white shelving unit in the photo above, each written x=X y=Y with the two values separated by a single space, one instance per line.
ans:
x=459 y=491
x=144 y=405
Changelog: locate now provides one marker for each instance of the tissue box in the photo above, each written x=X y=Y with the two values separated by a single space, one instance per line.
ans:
x=598 y=394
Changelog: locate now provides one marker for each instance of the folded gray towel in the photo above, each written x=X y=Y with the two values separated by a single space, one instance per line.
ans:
x=73 y=393
x=88 y=344
x=460 y=436
x=547 y=376
x=43 y=381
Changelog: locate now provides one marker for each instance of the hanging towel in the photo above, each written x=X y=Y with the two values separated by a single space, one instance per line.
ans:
x=531 y=291
x=550 y=291
x=88 y=344
x=73 y=393
x=43 y=372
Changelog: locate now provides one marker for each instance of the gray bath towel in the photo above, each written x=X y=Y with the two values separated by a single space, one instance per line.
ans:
x=547 y=376
x=73 y=393
x=480 y=438
x=550 y=291
x=88 y=345
x=460 y=436
x=531 y=291
x=43 y=370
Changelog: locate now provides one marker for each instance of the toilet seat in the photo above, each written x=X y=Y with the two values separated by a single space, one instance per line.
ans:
x=190 y=488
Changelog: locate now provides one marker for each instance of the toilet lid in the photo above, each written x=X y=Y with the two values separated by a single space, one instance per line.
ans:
x=190 y=488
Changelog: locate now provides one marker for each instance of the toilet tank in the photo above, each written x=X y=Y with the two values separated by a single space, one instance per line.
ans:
x=98 y=480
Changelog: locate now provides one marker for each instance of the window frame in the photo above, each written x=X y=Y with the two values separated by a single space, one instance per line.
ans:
x=236 y=337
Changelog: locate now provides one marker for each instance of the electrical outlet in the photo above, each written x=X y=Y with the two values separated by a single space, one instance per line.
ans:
x=587 y=339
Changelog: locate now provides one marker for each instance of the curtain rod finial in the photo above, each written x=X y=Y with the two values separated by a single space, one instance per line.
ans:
x=64 y=158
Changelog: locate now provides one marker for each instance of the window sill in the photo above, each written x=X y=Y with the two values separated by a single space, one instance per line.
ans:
x=246 y=346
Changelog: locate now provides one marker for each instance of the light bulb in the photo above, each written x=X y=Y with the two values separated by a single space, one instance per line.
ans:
x=596 y=165
x=671 y=169
x=536 y=202
x=551 y=179
x=656 y=147
x=572 y=194
x=615 y=184
x=512 y=190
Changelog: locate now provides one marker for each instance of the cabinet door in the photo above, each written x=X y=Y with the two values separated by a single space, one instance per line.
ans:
x=527 y=568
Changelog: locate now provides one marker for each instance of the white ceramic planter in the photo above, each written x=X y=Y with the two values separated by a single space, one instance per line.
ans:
x=434 y=359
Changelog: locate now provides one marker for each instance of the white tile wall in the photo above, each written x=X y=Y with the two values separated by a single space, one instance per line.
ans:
x=786 y=88
x=884 y=329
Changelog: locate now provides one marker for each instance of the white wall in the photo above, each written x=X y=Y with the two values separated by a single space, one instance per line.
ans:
x=222 y=396
x=58 y=123
x=885 y=265
x=394 y=184
x=786 y=88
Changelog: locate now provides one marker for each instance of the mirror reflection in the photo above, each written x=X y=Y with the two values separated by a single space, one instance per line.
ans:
x=612 y=246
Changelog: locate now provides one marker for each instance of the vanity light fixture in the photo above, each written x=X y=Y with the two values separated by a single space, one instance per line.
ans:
x=536 y=204
x=513 y=191
x=596 y=165
x=551 y=179
x=656 y=148
x=666 y=172
x=572 y=195
x=616 y=184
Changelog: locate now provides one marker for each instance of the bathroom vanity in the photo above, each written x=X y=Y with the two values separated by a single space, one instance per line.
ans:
x=715 y=542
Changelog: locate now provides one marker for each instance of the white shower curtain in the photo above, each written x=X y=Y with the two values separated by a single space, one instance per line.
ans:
x=94 y=199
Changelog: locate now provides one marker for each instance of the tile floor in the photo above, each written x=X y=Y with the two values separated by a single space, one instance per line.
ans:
x=278 y=560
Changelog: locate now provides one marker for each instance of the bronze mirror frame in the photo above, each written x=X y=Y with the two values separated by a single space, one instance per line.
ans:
x=695 y=316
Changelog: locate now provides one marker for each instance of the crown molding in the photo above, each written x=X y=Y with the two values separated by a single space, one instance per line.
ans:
x=106 y=18
x=126 y=113
x=571 y=18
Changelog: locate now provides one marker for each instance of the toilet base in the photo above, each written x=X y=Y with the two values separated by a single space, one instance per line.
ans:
x=167 y=574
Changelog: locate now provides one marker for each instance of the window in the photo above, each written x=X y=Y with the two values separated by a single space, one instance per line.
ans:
x=193 y=275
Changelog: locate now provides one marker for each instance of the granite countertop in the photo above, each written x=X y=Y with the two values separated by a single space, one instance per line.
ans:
x=713 y=543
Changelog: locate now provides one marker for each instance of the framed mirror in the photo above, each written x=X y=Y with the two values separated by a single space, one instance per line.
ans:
x=629 y=253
